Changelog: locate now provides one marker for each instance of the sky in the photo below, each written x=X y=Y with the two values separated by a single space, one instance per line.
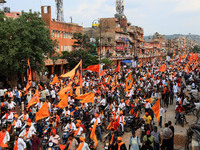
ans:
x=163 y=16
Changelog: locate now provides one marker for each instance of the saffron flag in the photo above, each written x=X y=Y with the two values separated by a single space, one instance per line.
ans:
x=118 y=67
x=83 y=96
x=93 y=68
x=64 y=102
x=191 y=58
x=55 y=80
x=195 y=56
x=187 y=69
x=43 y=112
x=89 y=98
x=75 y=75
x=62 y=92
x=102 y=73
x=93 y=135
x=179 y=60
x=28 y=85
x=140 y=65
x=34 y=99
x=156 y=109
x=62 y=147
x=162 y=68
x=129 y=71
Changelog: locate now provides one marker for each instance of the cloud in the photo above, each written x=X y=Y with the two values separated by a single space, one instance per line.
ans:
x=188 y=6
x=164 y=16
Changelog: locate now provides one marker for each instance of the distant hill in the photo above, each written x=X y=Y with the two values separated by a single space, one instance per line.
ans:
x=188 y=36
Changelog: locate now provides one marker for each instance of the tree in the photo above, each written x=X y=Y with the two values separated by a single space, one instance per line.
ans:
x=21 y=39
x=83 y=50
x=196 y=49
x=106 y=61
x=75 y=56
x=84 y=42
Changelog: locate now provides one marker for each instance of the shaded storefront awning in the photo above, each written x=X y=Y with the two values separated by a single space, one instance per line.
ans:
x=49 y=62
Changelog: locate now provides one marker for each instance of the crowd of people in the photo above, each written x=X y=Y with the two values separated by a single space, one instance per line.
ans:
x=118 y=95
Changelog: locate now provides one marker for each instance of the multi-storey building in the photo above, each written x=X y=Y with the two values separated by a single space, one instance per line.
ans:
x=63 y=33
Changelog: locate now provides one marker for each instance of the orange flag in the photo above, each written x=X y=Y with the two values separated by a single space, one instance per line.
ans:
x=43 y=112
x=55 y=80
x=93 y=135
x=89 y=98
x=195 y=56
x=156 y=109
x=187 y=69
x=140 y=65
x=102 y=73
x=62 y=147
x=34 y=99
x=191 y=58
x=118 y=67
x=64 y=102
x=93 y=68
x=109 y=78
x=83 y=96
x=29 y=64
x=179 y=60
x=30 y=76
x=62 y=92
x=162 y=68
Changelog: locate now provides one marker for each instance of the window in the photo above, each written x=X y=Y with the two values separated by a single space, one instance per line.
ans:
x=58 y=33
x=61 y=34
x=58 y=48
x=54 y=33
x=61 y=48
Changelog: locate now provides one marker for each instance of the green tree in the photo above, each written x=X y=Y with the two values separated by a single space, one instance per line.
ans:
x=21 y=39
x=83 y=42
x=83 y=50
x=196 y=49
x=106 y=61
x=75 y=56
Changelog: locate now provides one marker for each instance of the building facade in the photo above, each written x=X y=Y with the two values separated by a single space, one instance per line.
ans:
x=61 y=32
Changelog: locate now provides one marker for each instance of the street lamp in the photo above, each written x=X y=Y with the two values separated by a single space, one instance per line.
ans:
x=100 y=24
x=2 y=1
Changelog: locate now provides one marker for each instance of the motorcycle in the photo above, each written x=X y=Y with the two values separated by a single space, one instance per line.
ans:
x=129 y=123
x=52 y=146
x=180 y=119
x=44 y=142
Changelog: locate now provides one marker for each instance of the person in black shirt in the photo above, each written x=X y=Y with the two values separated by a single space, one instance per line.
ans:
x=112 y=138
x=172 y=139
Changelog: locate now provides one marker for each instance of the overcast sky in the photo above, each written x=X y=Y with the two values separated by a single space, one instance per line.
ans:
x=163 y=16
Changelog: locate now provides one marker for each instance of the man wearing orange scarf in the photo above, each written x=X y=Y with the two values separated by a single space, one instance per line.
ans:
x=112 y=138
x=120 y=145
x=98 y=124
x=19 y=143
x=83 y=145
x=4 y=137
x=72 y=143
x=120 y=120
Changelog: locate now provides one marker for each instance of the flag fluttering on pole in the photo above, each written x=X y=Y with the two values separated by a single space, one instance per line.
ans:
x=93 y=135
x=89 y=98
x=102 y=73
x=75 y=75
x=64 y=102
x=162 y=68
x=118 y=67
x=156 y=109
x=55 y=80
x=93 y=68
x=43 y=112
x=83 y=96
